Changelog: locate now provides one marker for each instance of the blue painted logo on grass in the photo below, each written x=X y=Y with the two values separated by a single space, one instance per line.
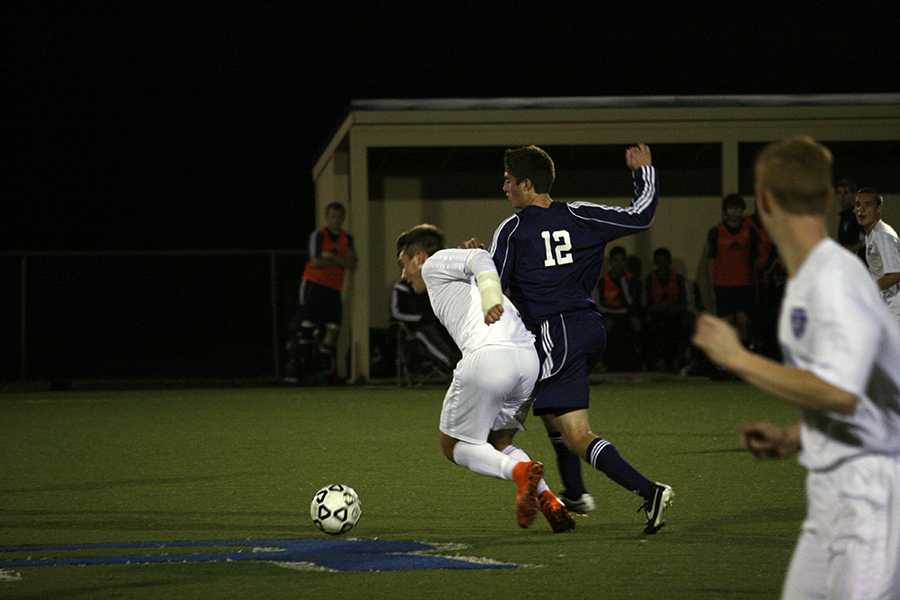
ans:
x=335 y=555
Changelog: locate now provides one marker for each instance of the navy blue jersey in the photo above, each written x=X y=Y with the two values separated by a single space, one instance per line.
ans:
x=549 y=259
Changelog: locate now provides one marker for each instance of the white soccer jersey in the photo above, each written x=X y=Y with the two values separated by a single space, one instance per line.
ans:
x=883 y=256
x=450 y=280
x=834 y=324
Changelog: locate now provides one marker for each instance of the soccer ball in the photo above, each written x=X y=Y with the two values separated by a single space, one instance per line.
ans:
x=335 y=509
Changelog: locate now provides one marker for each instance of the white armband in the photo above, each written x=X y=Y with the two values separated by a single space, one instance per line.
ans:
x=489 y=287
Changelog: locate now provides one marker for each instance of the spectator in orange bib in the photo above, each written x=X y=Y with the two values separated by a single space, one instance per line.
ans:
x=319 y=313
x=732 y=248
x=617 y=301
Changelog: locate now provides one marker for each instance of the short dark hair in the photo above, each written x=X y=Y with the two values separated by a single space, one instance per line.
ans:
x=336 y=206
x=616 y=250
x=733 y=200
x=797 y=172
x=879 y=199
x=425 y=237
x=531 y=162
x=844 y=182
x=662 y=251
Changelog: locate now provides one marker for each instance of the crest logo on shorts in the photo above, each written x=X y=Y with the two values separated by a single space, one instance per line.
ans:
x=798 y=321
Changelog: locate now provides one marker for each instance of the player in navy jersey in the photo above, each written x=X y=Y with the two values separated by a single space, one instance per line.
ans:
x=549 y=256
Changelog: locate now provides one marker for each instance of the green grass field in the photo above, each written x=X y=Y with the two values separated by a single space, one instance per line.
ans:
x=144 y=466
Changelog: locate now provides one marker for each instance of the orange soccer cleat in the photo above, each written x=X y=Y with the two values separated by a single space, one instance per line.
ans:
x=527 y=474
x=555 y=512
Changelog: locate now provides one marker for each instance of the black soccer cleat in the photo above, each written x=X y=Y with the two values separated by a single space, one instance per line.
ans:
x=660 y=499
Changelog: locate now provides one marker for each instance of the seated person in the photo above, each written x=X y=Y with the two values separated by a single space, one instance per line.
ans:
x=429 y=337
x=616 y=299
x=667 y=315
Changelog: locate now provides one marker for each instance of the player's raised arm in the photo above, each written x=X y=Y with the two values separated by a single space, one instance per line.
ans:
x=638 y=156
x=629 y=219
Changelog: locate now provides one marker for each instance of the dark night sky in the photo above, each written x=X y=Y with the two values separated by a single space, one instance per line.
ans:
x=163 y=128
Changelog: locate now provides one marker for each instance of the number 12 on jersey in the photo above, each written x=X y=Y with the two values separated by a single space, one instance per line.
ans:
x=561 y=249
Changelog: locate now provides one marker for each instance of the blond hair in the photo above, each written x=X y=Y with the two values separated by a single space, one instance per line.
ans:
x=797 y=172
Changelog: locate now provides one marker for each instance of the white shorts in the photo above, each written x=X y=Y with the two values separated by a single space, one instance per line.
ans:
x=849 y=546
x=490 y=391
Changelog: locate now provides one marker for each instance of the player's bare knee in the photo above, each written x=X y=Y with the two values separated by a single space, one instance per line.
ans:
x=576 y=430
x=577 y=435
x=578 y=441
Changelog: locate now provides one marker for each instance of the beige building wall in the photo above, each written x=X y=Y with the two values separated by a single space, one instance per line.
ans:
x=890 y=214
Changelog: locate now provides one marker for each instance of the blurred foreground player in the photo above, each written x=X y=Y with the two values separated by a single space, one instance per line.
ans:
x=841 y=351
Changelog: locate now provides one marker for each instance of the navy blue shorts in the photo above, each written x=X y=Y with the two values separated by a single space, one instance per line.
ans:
x=568 y=345
x=320 y=304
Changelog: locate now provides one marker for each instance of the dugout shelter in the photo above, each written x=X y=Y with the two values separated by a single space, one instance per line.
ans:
x=397 y=163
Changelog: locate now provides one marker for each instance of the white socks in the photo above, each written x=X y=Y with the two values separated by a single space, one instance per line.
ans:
x=518 y=454
x=484 y=459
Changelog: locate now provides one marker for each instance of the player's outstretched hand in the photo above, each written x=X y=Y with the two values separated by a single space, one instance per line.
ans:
x=472 y=244
x=767 y=440
x=493 y=314
x=718 y=340
x=638 y=156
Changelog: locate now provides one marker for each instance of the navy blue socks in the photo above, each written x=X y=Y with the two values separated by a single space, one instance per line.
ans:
x=604 y=457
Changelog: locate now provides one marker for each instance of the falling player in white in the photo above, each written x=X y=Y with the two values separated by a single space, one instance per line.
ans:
x=882 y=247
x=842 y=368
x=488 y=398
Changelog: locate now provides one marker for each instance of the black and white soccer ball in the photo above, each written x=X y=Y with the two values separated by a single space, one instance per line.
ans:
x=335 y=509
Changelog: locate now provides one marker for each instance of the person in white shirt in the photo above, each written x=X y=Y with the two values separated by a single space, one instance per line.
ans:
x=489 y=397
x=882 y=247
x=842 y=369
